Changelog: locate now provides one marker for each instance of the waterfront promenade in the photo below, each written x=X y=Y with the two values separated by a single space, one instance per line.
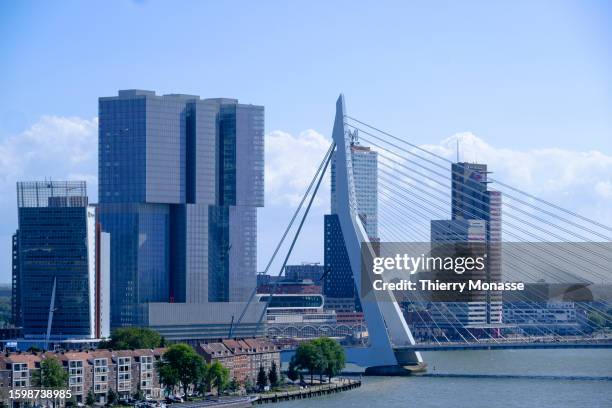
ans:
x=309 y=392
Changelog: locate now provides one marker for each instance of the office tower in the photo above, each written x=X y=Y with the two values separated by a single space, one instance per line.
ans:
x=57 y=268
x=471 y=199
x=180 y=182
x=476 y=217
x=339 y=282
x=240 y=191
x=339 y=286
x=365 y=178
x=467 y=310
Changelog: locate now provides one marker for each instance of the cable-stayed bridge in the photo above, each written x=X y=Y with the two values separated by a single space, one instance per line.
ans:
x=425 y=202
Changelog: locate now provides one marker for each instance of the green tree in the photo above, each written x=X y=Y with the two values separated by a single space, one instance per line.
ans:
x=126 y=338
x=273 y=375
x=292 y=372
x=309 y=357
x=205 y=382
x=262 y=378
x=334 y=356
x=139 y=395
x=72 y=402
x=219 y=376
x=181 y=365
x=233 y=385
x=90 y=400
x=168 y=376
x=112 y=397
x=248 y=385
x=52 y=374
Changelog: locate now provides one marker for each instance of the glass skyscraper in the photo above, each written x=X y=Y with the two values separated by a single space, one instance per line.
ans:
x=472 y=200
x=52 y=249
x=180 y=182
x=365 y=179
x=339 y=282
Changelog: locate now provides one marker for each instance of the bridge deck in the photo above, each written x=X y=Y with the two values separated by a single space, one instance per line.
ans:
x=509 y=346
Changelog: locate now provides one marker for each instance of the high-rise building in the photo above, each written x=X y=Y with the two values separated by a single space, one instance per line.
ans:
x=471 y=310
x=338 y=282
x=180 y=182
x=365 y=178
x=476 y=217
x=339 y=285
x=471 y=199
x=59 y=268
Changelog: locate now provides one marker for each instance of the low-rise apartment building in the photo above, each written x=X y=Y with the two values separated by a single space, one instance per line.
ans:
x=242 y=357
x=125 y=371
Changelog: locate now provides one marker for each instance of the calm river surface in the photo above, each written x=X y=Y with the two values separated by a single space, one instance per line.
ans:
x=542 y=386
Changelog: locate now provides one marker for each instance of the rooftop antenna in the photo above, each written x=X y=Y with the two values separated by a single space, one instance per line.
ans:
x=457 y=149
x=354 y=135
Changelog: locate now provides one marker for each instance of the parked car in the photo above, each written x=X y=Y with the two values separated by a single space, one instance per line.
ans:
x=174 y=398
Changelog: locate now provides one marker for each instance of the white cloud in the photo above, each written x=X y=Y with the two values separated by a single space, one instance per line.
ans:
x=604 y=189
x=291 y=162
x=579 y=181
x=547 y=171
x=56 y=147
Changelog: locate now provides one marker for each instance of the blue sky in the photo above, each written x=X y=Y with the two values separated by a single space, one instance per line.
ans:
x=519 y=75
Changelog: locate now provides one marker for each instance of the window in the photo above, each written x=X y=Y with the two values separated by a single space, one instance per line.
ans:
x=124 y=374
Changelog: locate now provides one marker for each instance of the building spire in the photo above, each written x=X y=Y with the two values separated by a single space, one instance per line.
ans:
x=457 y=149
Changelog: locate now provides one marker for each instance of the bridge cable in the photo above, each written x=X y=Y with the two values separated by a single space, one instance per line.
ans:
x=327 y=159
x=500 y=183
x=280 y=243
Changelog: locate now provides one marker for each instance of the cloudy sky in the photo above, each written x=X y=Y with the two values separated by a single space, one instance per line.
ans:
x=526 y=87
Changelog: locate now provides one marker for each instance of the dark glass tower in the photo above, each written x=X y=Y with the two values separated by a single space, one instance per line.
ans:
x=52 y=246
x=180 y=182
x=472 y=200
x=339 y=282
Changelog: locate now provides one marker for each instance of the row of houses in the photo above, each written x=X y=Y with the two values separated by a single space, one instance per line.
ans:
x=243 y=357
x=131 y=371
x=125 y=371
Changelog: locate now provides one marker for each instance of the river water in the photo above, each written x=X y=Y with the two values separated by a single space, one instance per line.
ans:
x=474 y=379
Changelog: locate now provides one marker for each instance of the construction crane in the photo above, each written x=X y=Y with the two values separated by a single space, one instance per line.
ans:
x=51 y=310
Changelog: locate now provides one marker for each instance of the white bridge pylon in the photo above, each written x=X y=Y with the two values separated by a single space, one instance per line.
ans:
x=387 y=327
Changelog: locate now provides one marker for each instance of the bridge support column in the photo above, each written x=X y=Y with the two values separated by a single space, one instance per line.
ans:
x=407 y=364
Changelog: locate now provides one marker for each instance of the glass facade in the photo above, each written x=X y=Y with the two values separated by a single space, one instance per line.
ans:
x=180 y=180
x=305 y=271
x=15 y=295
x=293 y=301
x=472 y=200
x=339 y=282
x=52 y=246
x=365 y=177
x=241 y=191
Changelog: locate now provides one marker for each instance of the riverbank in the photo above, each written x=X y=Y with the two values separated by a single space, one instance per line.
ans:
x=310 y=392
x=487 y=379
